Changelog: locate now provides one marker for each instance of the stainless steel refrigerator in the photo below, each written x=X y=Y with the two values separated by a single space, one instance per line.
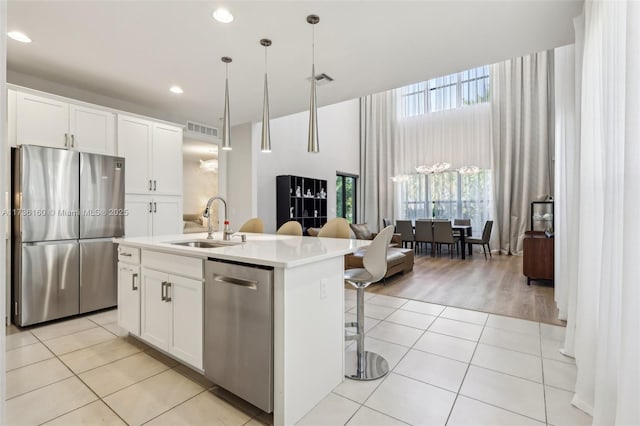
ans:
x=67 y=208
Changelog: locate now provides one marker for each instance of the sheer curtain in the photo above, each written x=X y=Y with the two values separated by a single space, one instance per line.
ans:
x=606 y=294
x=522 y=143
x=377 y=154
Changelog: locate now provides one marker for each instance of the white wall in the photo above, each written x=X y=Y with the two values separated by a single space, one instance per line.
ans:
x=241 y=176
x=339 y=136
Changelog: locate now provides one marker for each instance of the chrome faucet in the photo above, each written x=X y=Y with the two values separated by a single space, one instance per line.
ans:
x=226 y=233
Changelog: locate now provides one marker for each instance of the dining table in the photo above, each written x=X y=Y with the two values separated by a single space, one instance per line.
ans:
x=465 y=231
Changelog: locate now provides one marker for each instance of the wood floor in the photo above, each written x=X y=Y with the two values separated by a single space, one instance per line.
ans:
x=495 y=286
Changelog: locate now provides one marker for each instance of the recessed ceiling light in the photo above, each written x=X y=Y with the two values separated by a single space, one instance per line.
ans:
x=222 y=15
x=176 y=89
x=18 y=36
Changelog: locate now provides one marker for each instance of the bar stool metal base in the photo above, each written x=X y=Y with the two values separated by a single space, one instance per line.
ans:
x=374 y=366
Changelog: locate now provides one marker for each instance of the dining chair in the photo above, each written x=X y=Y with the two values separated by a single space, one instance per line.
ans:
x=443 y=234
x=424 y=233
x=464 y=222
x=336 y=228
x=405 y=228
x=367 y=365
x=292 y=227
x=387 y=222
x=486 y=236
x=254 y=225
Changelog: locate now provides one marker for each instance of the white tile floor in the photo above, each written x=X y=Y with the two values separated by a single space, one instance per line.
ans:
x=456 y=367
x=448 y=366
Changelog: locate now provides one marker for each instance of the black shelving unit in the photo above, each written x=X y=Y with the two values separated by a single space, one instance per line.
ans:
x=307 y=206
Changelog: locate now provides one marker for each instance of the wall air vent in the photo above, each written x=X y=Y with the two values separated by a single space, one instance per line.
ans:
x=322 y=79
x=201 y=130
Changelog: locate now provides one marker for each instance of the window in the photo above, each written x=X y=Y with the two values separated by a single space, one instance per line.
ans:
x=346 y=197
x=448 y=195
x=451 y=91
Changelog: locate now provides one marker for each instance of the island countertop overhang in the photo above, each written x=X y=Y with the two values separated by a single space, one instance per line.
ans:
x=279 y=251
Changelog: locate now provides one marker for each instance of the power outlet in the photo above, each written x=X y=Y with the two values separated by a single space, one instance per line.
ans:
x=323 y=288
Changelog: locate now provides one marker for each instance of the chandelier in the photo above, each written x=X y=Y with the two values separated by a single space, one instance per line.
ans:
x=435 y=168
x=468 y=170
x=399 y=178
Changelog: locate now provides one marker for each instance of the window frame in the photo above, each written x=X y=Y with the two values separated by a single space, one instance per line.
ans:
x=344 y=176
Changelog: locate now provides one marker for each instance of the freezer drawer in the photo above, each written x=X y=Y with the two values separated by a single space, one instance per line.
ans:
x=238 y=330
x=101 y=196
x=46 y=283
x=98 y=274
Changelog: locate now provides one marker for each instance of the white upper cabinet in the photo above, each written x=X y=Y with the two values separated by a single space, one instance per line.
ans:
x=154 y=150
x=41 y=121
x=134 y=144
x=44 y=121
x=92 y=130
x=167 y=159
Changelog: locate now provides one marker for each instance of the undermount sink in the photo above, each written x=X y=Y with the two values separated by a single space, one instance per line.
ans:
x=204 y=243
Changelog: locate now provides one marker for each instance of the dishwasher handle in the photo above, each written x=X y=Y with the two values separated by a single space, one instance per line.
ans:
x=224 y=279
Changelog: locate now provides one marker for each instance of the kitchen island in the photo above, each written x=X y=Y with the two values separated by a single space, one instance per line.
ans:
x=308 y=305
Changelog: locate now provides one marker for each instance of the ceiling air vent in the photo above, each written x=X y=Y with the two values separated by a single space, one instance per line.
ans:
x=322 y=79
x=202 y=130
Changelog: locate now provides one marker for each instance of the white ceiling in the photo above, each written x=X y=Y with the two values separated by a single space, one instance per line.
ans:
x=135 y=50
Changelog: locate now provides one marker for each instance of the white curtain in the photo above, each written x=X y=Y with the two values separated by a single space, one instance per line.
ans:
x=603 y=303
x=458 y=136
x=377 y=136
x=522 y=143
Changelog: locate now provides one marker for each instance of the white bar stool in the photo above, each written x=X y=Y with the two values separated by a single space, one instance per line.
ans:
x=361 y=364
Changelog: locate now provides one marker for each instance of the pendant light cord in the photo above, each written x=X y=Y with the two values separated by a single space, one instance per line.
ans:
x=313 y=46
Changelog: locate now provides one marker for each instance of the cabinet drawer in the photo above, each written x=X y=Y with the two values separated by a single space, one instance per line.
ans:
x=178 y=265
x=129 y=255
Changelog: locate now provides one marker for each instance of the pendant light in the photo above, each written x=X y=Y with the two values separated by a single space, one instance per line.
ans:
x=226 y=121
x=313 y=145
x=265 y=146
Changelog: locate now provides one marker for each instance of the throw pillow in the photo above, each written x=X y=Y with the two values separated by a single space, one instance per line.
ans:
x=361 y=230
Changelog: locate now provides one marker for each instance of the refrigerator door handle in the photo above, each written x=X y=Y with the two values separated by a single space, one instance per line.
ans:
x=66 y=140
x=133 y=282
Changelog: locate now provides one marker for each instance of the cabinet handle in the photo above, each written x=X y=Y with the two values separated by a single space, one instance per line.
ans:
x=133 y=282
x=162 y=296
x=167 y=298
x=155 y=207
x=66 y=140
x=154 y=185
x=150 y=187
x=73 y=140
x=150 y=207
x=125 y=254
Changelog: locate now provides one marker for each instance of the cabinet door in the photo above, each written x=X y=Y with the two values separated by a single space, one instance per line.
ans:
x=167 y=159
x=137 y=222
x=167 y=215
x=129 y=298
x=155 y=311
x=185 y=341
x=134 y=144
x=92 y=130
x=41 y=121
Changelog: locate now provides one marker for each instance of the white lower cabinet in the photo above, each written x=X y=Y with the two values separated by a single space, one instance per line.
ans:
x=171 y=315
x=162 y=308
x=129 y=297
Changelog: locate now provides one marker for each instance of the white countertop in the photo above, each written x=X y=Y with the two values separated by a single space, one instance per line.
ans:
x=280 y=251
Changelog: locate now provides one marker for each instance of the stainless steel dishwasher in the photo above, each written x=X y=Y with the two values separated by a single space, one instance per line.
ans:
x=238 y=330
